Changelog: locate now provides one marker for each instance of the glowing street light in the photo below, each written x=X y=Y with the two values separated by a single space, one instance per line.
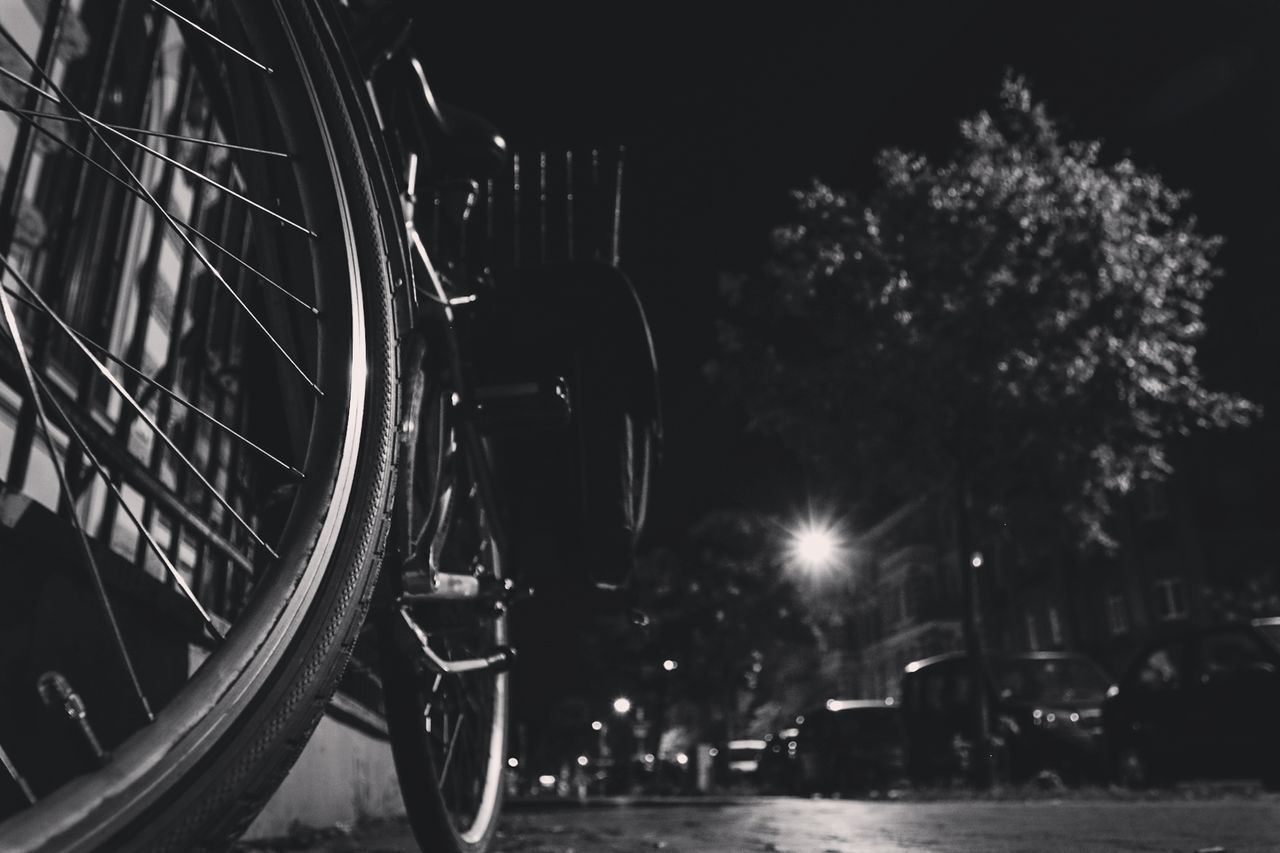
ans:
x=815 y=546
x=621 y=706
x=596 y=725
x=670 y=665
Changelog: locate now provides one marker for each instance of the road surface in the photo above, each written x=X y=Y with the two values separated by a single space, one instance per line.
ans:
x=786 y=825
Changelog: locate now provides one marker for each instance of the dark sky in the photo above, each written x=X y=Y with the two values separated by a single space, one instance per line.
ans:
x=723 y=112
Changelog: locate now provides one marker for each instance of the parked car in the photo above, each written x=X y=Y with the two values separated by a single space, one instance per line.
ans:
x=1204 y=703
x=849 y=747
x=741 y=761
x=1045 y=715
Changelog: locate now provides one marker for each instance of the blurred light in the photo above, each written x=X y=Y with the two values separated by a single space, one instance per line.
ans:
x=831 y=704
x=713 y=752
x=1113 y=690
x=1037 y=713
x=1075 y=718
x=815 y=545
x=800 y=720
x=621 y=705
x=648 y=758
x=582 y=761
x=547 y=781
x=682 y=759
x=669 y=665
x=596 y=725
x=889 y=700
x=976 y=560
x=1050 y=717
x=791 y=746
x=513 y=762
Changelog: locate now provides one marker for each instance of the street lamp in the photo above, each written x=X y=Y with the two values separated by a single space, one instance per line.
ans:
x=670 y=665
x=622 y=706
x=815 y=545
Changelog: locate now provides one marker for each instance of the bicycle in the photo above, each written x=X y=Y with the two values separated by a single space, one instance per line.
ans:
x=234 y=385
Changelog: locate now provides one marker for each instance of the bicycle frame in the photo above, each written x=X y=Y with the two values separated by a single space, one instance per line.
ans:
x=431 y=310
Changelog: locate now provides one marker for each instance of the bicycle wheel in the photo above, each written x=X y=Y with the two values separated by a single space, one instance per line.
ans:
x=197 y=406
x=448 y=731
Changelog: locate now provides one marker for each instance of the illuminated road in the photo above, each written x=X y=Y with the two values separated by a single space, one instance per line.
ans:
x=1247 y=825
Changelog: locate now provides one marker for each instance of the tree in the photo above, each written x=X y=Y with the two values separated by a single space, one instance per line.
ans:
x=1022 y=319
x=1014 y=328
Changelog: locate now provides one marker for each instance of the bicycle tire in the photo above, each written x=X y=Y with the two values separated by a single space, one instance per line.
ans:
x=455 y=813
x=195 y=777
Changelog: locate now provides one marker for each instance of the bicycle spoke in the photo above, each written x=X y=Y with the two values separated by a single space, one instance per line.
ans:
x=15 y=334
x=119 y=128
x=26 y=84
x=203 y=177
x=128 y=398
x=171 y=394
x=106 y=478
x=187 y=226
x=190 y=228
x=17 y=777
x=248 y=267
x=210 y=35
x=87 y=121
x=453 y=742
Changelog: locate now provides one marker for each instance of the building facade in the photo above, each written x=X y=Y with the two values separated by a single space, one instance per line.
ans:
x=1197 y=549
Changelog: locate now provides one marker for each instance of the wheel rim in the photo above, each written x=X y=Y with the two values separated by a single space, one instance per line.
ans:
x=470 y=790
x=449 y=731
x=294 y=537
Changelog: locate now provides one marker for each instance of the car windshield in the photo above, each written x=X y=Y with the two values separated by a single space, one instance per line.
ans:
x=1049 y=680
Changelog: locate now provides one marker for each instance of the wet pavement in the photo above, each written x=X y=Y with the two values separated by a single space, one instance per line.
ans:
x=788 y=825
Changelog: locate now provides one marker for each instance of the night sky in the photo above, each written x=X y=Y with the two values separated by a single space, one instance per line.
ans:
x=722 y=113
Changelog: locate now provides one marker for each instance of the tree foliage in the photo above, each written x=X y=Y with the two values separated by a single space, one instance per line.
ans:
x=1022 y=318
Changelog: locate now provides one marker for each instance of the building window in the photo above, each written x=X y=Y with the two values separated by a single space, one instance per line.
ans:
x=1117 y=614
x=1171 y=599
x=1033 y=636
x=1055 y=627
